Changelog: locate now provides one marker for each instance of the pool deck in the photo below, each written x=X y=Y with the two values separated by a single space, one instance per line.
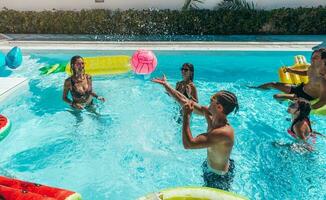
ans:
x=8 y=86
x=174 y=45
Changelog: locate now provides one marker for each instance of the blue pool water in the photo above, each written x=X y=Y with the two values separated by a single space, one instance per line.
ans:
x=135 y=147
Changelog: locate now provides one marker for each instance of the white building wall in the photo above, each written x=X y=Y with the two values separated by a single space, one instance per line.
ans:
x=139 y=4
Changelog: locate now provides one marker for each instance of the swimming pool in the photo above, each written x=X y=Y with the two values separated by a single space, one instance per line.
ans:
x=135 y=146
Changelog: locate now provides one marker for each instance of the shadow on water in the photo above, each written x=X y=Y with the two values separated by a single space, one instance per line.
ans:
x=49 y=154
x=45 y=100
x=4 y=72
x=50 y=59
x=94 y=112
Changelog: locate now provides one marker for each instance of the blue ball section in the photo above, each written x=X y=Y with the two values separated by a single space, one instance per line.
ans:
x=2 y=59
x=14 y=58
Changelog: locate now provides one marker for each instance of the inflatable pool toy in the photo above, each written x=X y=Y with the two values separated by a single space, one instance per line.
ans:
x=192 y=193
x=21 y=190
x=319 y=111
x=14 y=58
x=100 y=65
x=290 y=78
x=2 y=59
x=143 y=62
x=5 y=126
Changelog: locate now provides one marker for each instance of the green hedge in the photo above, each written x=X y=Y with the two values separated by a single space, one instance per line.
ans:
x=171 y=22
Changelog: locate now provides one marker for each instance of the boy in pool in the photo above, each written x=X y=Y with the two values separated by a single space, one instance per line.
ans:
x=219 y=138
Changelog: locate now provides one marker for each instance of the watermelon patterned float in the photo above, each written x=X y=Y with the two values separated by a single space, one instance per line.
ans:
x=13 y=189
x=4 y=127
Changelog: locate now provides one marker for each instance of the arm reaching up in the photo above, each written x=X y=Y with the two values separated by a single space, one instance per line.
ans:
x=180 y=98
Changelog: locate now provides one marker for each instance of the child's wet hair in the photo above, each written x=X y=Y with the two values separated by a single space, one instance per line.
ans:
x=320 y=50
x=304 y=108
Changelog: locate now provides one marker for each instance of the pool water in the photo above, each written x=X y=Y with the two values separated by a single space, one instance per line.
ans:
x=134 y=146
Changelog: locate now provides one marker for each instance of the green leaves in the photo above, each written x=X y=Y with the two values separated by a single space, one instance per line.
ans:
x=236 y=20
x=236 y=5
x=192 y=4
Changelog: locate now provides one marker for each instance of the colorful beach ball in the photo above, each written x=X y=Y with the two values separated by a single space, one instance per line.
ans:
x=143 y=62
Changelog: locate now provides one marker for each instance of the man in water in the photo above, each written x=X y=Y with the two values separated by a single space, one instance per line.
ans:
x=322 y=73
x=310 y=91
x=219 y=138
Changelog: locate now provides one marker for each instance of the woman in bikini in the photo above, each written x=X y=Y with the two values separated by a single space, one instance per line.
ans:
x=79 y=85
x=186 y=86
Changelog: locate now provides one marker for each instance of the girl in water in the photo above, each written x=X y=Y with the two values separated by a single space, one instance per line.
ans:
x=186 y=86
x=301 y=127
x=79 y=85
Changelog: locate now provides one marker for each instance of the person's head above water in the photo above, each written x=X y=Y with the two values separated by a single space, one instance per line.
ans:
x=187 y=71
x=300 y=107
x=322 y=70
x=77 y=65
x=224 y=102
x=316 y=56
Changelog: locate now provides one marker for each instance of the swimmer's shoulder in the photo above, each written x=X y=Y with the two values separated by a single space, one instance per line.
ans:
x=226 y=132
x=68 y=81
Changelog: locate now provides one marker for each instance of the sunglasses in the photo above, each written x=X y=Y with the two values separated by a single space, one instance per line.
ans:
x=184 y=69
x=81 y=64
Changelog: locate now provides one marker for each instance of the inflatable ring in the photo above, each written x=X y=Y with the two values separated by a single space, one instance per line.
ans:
x=319 y=111
x=193 y=193
x=5 y=126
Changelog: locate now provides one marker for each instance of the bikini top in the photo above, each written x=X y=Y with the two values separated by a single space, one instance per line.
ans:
x=184 y=92
x=77 y=94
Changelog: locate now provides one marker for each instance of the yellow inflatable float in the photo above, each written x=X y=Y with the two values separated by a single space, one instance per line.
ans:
x=300 y=63
x=192 y=193
x=100 y=65
x=294 y=79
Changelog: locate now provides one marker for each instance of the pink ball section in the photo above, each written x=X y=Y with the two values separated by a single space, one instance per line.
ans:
x=143 y=62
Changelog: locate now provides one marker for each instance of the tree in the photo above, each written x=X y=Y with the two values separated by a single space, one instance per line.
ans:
x=236 y=5
x=191 y=4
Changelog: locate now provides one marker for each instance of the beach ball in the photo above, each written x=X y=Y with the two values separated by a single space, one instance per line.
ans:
x=14 y=58
x=143 y=62
x=2 y=59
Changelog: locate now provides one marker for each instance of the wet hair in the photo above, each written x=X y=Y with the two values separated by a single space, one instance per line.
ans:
x=322 y=52
x=72 y=62
x=191 y=68
x=228 y=100
x=323 y=55
x=304 y=109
